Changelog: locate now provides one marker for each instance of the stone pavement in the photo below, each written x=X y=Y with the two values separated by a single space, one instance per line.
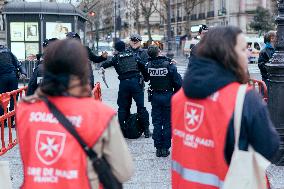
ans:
x=150 y=172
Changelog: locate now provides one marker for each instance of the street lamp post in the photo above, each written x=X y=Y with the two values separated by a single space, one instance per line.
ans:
x=169 y=53
x=275 y=69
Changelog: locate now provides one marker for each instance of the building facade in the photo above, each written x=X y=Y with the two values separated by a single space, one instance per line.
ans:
x=216 y=12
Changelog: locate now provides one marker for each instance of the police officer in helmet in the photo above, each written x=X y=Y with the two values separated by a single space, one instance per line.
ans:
x=129 y=67
x=92 y=57
x=164 y=82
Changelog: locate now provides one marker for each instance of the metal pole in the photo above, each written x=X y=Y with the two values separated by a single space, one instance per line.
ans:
x=114 y=20
x=228 y=12
x=169 y=53
x=275 y=69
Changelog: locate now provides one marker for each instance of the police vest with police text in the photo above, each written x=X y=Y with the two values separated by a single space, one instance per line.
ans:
x=159 y=75
x=199 y=129
x=126 y=63
x=52 y=158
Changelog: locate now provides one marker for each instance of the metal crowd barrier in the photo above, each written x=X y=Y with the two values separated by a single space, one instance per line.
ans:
x=97 y=92
x=261 y=87
x=4 y=102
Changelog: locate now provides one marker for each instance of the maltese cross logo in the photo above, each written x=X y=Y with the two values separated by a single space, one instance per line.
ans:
x=49 y=146
x=193 y=116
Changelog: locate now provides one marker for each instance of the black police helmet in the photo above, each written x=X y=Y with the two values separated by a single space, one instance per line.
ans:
x=135 y=37
x=73 y=35
x=203 y=27
x=119 y=46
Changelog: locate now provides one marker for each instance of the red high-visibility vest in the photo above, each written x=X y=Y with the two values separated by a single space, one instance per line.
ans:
x=52 y=157
x=199 y=128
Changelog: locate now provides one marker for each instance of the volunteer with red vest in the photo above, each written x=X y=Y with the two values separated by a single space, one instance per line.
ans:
x=202 y=113
x=51 y=156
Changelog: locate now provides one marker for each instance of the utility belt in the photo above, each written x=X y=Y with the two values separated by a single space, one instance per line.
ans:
x=161 y=91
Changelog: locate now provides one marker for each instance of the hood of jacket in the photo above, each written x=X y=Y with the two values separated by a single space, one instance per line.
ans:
x=204 y=77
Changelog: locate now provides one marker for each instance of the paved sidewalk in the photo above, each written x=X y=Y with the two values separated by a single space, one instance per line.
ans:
x=150 y=172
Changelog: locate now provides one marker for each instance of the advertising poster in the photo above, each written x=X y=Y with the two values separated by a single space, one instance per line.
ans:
x=57 y=30
x=17 y=31
x=31 y=31
x=18 y=49
x=31 y=49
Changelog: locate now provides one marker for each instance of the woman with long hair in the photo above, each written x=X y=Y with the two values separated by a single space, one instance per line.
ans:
x=203 y=139
x=52 y=157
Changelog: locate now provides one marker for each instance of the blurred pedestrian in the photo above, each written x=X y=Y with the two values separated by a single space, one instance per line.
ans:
x=202 y=113
x=92 y=57
x=37 y=75
x=52 y=157
x=201 y=32
x=164 y=82
x=266 y=54
x=11 y=71
x=129 y=66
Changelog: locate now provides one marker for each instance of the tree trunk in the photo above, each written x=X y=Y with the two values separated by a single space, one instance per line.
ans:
x=188 y=25
x=169 y=26
x=147 y=20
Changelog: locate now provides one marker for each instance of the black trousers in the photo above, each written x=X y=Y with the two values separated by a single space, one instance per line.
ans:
x=128 y=89
x=8 y=82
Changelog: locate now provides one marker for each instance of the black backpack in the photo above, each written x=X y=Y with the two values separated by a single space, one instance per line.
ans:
x=132 y=128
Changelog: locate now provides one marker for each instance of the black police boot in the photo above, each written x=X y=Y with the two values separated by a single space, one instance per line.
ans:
x=159 y=152
x=144 y=121
x=147 y=133
x=165 y=152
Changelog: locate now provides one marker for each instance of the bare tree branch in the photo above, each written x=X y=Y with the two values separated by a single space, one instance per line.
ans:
x=147 y=9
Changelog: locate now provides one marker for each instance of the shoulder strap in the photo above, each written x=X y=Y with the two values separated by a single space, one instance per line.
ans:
x=70 y=128
x=238 y=112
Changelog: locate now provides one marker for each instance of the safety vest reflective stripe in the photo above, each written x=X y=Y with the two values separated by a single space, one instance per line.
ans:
x=197 y=176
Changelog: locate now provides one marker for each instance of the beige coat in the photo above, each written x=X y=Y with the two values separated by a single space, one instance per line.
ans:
x=113 y=147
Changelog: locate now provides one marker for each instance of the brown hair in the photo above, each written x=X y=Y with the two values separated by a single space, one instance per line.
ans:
x=64 y=59
x=219 y=44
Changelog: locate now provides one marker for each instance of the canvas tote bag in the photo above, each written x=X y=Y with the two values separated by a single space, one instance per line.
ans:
x=247 y=168
x=5 y=179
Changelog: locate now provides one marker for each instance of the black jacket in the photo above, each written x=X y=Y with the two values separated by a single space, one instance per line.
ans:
x=114 y=62
x=33 y=82
x=174 y=75
x=203 y=78
x=94 y=58
x=264 y=57
x=8 y=62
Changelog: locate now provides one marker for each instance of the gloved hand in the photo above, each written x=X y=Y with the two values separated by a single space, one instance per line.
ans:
x=173 y=61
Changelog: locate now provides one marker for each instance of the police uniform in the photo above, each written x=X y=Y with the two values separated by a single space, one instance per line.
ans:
x=8 y=73
x=164 y=81
x=128 y=67
x=36 y=78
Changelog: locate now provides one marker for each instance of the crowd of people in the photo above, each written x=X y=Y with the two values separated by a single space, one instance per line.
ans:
x=193 y=117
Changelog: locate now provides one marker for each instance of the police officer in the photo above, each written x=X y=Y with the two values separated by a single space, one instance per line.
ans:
x=129 y=67
x=92 y=57
x=202 y=31
x=37 y=75
x=135 y=48
x=10 y=72
x=164 y=82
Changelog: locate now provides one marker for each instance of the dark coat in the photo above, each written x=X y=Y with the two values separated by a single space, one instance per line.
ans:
x=174 y=75
x=264 y=56
x=33 y=82
x=203 y=78
x=114 y=62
